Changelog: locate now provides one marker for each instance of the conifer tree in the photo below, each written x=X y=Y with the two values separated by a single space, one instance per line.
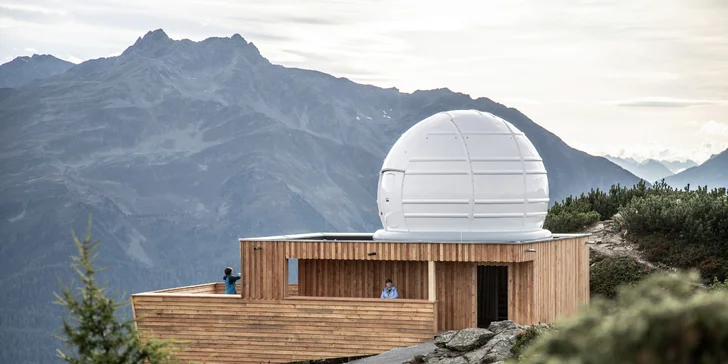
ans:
x=93 y=334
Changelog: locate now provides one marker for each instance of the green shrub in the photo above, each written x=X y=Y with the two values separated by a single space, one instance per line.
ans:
x=663 y=319
x=716 y=285
x=573 y=214
x=527 y=336
x=570 y=222
x=606 y=275
x=570 y=216
x=683 y=229
x=595 y=256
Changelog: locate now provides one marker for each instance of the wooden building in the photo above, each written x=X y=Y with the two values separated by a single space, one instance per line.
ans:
x=334 y=310
x=462 y=197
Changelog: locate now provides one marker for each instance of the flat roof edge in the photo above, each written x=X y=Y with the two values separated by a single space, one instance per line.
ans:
x=366 y=236
x=574 y=235
x=352 y=237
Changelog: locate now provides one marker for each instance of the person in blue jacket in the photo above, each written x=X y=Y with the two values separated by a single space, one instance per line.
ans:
x=390 y=291
x=230 y=281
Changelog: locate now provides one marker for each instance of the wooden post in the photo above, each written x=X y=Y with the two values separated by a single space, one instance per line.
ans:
x=243 y=277
x=435 y=321
x=285 y=277
x=431 y=281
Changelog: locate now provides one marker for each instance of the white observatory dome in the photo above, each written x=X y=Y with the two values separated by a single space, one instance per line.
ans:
x=463 y=176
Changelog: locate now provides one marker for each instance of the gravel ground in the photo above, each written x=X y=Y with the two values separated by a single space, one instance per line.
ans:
x=398 y=355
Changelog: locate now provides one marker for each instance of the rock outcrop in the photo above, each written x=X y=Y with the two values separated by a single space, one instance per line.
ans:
x=473 y=346
x=607 y=239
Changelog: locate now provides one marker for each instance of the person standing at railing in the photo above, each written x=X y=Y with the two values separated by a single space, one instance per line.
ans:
x=230 y=281
x=389 y=291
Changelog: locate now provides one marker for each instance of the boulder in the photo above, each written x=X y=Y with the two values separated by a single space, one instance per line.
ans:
x=476 y=356
x=475 y=345
x=501 y=326
x=438 y=354
x=499 y=348
x=469 y=339
x=442 y=339
x=455 y=360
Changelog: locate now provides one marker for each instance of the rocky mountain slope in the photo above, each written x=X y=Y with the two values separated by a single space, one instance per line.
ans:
x=650 y=170
x=712 y=173
x=23 y=70
x=178 y=148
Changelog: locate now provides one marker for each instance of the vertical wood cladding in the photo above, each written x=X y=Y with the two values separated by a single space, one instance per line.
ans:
x=361 y=278
x=546 y=279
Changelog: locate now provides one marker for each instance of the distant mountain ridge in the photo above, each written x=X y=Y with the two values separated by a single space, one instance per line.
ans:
x=650 y=170
x=23 y=70
x=678 y=166
x=177 y=148
x=712 y=173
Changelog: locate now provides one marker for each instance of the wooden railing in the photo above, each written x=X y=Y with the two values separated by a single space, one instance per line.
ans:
x=227 y=329
x=215 y=288
x=207 y=288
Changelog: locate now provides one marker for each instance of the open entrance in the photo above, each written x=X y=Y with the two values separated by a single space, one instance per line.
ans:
x=492 y=294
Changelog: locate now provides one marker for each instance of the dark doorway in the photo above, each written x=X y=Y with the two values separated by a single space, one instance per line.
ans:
x=492 y=294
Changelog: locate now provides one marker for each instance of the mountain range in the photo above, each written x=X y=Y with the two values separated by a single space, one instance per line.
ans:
x=649 y=170
x=23 y=70
x=177 y=148
x=712 y=173
x=678 y=166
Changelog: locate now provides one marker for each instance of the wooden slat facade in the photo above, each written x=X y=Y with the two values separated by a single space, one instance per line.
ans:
x=214 y=328
x=421 y=251
x=456 y=295
x=546 y=280
x=561 y=279
x=361 y=278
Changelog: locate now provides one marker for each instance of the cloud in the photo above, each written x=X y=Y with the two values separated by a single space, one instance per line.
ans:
x=520 y=100
x=659 y=102
x=32 y=14
x=31 y=50
x=714 y=128
x=73 y=59
x=7 y=8
x=310 y=20
x=656 y=150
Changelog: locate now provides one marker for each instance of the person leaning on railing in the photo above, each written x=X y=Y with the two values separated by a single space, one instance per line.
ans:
x=389 y=291
x=230 y=281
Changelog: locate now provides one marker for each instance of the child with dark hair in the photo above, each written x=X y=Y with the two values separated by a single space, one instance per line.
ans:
x=230 y=281
x=389 y=291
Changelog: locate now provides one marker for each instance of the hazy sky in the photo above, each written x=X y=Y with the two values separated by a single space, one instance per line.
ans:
x=643 y=78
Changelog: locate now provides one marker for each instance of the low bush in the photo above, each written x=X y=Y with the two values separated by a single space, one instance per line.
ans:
x=570 y=222
x=606 y=275
x=716 y=285
x=680 y=228
x=527 y=337
x=570 y=216
x=684 y=229
x=663 y=319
